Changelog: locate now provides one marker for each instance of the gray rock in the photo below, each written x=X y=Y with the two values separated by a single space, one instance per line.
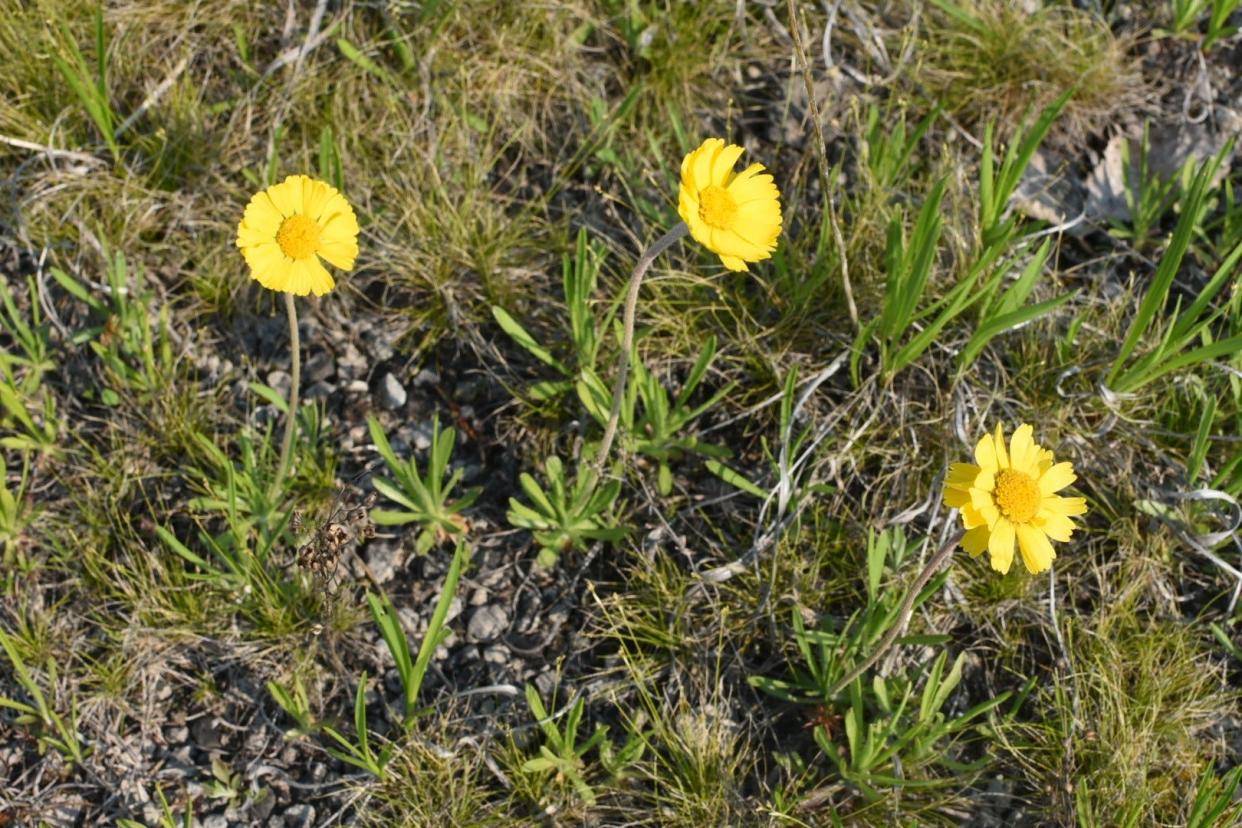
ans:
x=391 y=393
x=205 y=733
x=281 y=381
x=351 y=364
x=487 y=623
x=384 y=558
x=545 y=683
x=496 y=654
x=421 y=436
x=318 y=391
x=261 y=806
x=410 y=620
x=319 y=367
x=215 y=821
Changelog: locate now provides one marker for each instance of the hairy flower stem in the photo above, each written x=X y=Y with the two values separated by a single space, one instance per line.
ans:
x=291 y=418
x=627 y=340
x=903 y=615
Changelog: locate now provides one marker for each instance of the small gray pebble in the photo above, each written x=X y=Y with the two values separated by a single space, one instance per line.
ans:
x=351 y=364
x=487 y=623
x=261 y=807
x=478 y=597
x=410 y=620
x=206 y=734
x=215 y=821
x=319 y=367
x=300 y=816
x=420 y=436
x=391 y=393
x=426 y=376
x=383 y=558
x=545 y=683
x=319 y=391
x=281 y=381
x=496 y=654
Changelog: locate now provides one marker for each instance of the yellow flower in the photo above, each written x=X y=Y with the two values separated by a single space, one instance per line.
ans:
x=289 y=226
x=1012 y=495
x=735 y=215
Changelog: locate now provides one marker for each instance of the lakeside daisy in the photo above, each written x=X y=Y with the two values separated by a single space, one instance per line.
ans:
x=287 y=228
x=1008 y=496
x=737 y=216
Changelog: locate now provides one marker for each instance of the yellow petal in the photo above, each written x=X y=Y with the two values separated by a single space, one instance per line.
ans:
x=961 y=474
x=975 y=541
x=1023 y=453
x=337 y=218
x=956 y=498
x=734 y=263
x=701 y=166
x=1056 y=478
x=309 y=276
x=1000 y=545
x=1067 y=506
x=250 y=236
x=728 y=243
x=1037 y=553
x=985 y=453
x=339 y=253
x=750 y=186
x=722 y=165
x=261 y=216
x=687 y=205
x=1002 y=458
x=269 y=267
x=316 y=195
x=972 y=517
x=1058 y=527
x=287 y=195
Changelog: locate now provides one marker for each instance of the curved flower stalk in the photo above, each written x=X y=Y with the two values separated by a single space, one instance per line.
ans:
x=735 y=215
x=1009 y=495
x=283 y=234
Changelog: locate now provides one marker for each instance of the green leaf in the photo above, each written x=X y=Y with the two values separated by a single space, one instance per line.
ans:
x=363 y=62
x=735 y=479
x=519 y=335
x=997 y=325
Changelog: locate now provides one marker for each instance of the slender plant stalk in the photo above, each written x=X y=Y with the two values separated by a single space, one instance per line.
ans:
x=821 y=156
x=903 y=616
x=627 y=340
x=291 y=418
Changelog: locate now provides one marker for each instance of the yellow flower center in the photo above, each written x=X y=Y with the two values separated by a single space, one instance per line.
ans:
x=1017 y=495
x=298 y=237
x=717 y=208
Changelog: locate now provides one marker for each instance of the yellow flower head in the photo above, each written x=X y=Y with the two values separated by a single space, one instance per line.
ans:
x=289 y=226
x=1012 y=495
x=737 y=216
